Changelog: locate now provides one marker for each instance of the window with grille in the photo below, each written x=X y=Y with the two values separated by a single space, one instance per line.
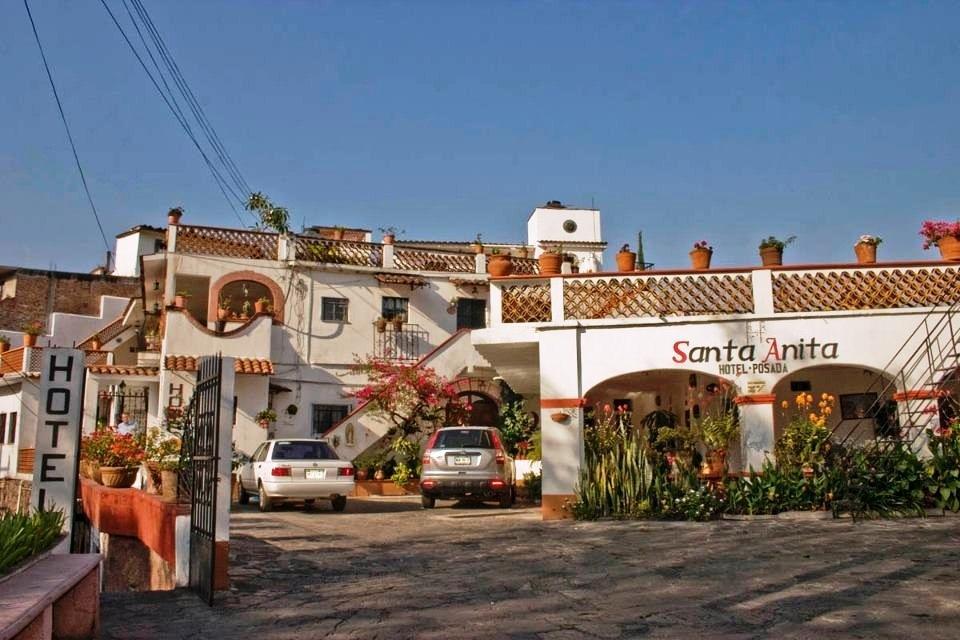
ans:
x=333 y=309
x=390 y=308
x=327 y=415
x=471 y=314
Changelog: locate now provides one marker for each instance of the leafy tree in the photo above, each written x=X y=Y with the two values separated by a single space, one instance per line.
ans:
x=271 y=216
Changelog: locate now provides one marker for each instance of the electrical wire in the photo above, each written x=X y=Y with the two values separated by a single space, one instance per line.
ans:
x=224 y=186
x=63 y=117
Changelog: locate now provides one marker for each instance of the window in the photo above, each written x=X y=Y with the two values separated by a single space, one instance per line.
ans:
x=327 y=415
x=261 y=453
x=390 y=308
x=333 y=309
x=471 y=314
x=302 y=450
x=11 y=429
x=3 y=428
x=463 y=438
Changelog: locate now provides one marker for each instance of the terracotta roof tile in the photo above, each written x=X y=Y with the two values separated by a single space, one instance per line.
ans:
x=120 y=370
x=391 y=278
x=253 y=366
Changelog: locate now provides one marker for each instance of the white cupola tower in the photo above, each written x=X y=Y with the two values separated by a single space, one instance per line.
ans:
x=575 y=229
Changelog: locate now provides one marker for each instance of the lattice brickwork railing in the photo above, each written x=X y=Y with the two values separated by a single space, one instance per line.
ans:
x=36 y=359
x=526 y=302
x=11 y=361
x=362 y=254
x=418 y=260
x=231 y=243
x=845 y=290
x=657 y=296
x=525 y=266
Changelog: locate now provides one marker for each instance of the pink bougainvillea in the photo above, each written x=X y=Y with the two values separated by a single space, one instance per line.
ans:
x=934 y=230
x=409 y=396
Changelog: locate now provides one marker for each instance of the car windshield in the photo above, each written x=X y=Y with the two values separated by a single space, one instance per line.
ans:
x=303 y=450
x=463 y=438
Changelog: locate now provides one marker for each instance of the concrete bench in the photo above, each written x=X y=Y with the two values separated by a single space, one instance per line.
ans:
x=58 y=597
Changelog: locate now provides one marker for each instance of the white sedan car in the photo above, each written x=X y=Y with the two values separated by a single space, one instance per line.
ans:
x=296 y=469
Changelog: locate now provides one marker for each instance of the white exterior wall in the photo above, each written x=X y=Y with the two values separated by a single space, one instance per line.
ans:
x=130 y=247
x=546 y=225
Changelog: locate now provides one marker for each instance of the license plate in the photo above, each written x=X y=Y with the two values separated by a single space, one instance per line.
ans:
x=316 y=474
x=461 y=460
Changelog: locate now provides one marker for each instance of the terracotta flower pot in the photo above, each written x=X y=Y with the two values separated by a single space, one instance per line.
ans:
x=389 y=238
x=180 y=302
x=560 y=416
x=362 y=475
x=700 y=258
x=95 y=344
x=477 y=248
x=259 y=307
x=717 y=459
x=29 y=340
x=173 y=216
x=499 y=266
x=338 y=234
x=771 y=256
x=626 y=261
x=169 y=481
x=550 y=264
x=949 y=248
x=379 y=475
x=264 y=424
x=118 y=477
x=866 y=253
x=397 y=324
x=381 y=325
x=153 y=477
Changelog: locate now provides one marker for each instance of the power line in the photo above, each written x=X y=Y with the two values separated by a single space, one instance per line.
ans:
x=218 y=178
x=66 y=126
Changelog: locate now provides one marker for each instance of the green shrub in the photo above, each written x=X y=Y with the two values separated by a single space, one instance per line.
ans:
x=616 y=478
x=23 y=535
x=533 y=483
x=943 y=469
x=881 y=480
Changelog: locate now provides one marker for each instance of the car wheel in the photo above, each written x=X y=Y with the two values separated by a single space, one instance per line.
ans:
x=339 y=503
x=428 y=502
x=244 y=497
x=506 y=501
x=308 y=504
x=265 y=503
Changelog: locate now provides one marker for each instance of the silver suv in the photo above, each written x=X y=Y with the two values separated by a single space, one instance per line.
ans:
x=466 y=463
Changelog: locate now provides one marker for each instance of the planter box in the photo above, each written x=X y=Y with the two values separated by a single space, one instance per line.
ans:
x=385 y=488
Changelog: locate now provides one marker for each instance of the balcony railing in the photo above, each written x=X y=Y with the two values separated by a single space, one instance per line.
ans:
x=646 y=295
x=406 y=344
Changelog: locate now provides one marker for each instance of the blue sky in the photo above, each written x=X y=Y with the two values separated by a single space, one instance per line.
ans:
x=687 y=120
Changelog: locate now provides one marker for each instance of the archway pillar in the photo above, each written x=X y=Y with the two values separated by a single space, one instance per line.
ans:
x=918 y=411
x=756 y=430
x=561 y=421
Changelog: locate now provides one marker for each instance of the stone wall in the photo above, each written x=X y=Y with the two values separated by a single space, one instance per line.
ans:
x=40 y=293
x=14 y=492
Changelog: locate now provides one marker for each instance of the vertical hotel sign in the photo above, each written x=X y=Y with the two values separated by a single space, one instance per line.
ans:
x=59 y=415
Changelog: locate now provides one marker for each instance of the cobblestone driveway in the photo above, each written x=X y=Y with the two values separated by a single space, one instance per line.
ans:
x=386 y=569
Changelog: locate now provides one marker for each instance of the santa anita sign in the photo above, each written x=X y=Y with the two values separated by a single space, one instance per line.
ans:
x=734 y=359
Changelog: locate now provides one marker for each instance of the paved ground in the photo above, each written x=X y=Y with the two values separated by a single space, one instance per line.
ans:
x=386 y=569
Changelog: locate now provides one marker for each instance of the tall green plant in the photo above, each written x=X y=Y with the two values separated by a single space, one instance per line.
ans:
x=271 y=216
x=23 y=535
x=943 y=468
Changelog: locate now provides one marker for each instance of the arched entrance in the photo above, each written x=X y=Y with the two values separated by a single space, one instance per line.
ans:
x=474 y=409
x=865 y=401
x=243 y=289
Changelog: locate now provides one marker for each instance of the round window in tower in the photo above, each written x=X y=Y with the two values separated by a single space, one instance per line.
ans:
x=569 y=226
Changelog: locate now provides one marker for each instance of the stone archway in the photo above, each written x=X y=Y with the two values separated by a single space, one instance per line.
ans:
x=276 y=293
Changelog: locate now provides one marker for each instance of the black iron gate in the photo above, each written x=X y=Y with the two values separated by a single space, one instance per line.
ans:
x=119 y=400
x=202 y=440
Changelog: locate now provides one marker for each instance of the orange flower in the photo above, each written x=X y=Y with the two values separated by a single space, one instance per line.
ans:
x=785 y=405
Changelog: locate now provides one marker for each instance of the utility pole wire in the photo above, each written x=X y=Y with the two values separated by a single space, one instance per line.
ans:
x=221 y=182
x=63 y=117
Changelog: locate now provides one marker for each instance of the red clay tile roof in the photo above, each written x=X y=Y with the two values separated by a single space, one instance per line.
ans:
x=255 y=366
x=391 y=278
x=120 y=370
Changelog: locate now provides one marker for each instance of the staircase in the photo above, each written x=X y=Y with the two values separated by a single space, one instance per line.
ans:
x=450 y=359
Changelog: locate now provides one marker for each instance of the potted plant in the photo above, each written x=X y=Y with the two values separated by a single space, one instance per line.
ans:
x=945 y=235
x=700 y=255
x=93 y=448
x=866 y=249
x=477 y=245
x=550 y=260
x=245 y=310
x=120 y=459
x=381 y=324
x=180 y=300
x=499 y=264
x=262 y=305
x=363 y=464
x=771 y=250
x=398 y=321
x=265 y=417
x=4 y=343
x=152 y=339
x=626 y=259
x=223 y=307
x=30 y=332
x=390 y=234
x=522 y=252
x=718 y=432
x=174 y=215
x=162 y=459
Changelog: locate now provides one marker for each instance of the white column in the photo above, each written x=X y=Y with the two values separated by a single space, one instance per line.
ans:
x=556 y=299
x=762 y=280
x=388 y=256
x=481 y=262
x=756 y=434
x=496 y=305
